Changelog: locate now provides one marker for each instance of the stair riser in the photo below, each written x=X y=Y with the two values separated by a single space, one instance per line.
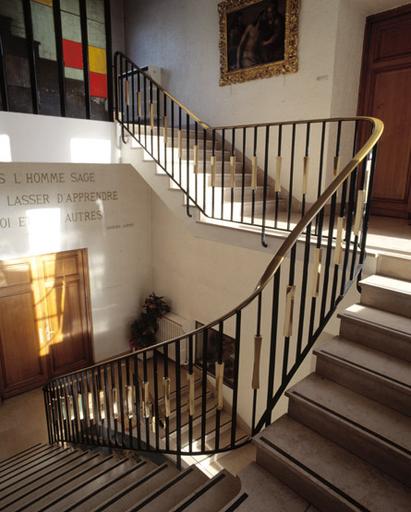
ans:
x=391 y=266
x=357 y=441
x=248 y=194
x=387 y=300
x=389 y=342
x=300 y=482
x=366 y=384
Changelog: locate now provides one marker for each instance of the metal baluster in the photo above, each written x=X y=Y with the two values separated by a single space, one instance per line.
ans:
x=128 y=403
x=235 y=377
x=114 y=400
x=145 y=110
x=137 y=405
x=289 y=314
x=254 y=174
x=232 y=172
x=265 y=186
x=213 y=174
x=180 y=145
x=243 y=174
x=317 y=270
x=321 y=166
x=151 y=117
x=165 y=130
x=348 y=231
x=257 y=363
x=189 y=404
x=222 y=172
x=145 y=400
x=278 y=174
x=139 y=106
x=306 y=168
x=107 y=399
x=133 y=99
x=121 y=399
x=178 y=403
x=59 y=55
x=49 y=414
x=328 y=257
x=291 y=183
x=188 y=165
x=219 y=375
x=204 y=389
x=156 y=423
x=195 y=157
x=304 y=281
x=158 y=107
x=85 y=48
x=167 y=419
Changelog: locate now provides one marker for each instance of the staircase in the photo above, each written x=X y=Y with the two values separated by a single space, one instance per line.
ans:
x=62 y=478
x=345 y=443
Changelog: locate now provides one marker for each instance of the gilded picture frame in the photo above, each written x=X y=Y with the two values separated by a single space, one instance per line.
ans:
x=258 y=39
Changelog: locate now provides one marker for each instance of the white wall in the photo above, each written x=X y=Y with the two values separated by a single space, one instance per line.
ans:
x=181 y=36
x=35 y=138
x=118 y=243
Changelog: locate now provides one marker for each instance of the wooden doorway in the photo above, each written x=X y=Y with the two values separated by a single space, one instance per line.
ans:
x=385 y=92
x=45 y=321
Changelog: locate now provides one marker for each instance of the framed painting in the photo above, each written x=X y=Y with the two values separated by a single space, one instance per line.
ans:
x=258 y=39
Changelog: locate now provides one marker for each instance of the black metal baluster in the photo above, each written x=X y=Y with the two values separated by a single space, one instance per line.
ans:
x=137 y=406
x=255 y=390
x=328 y=257
x=167 y=419
x=3 y=79
x=304 y=281
x=306 y=167
x=58 y=33
x=278 y=185
x=98 y=420
x=243 y=174
x=84 y=41
x=31 y=55
x=121 y=399
x=254 y=186
x=128 y=401
x=233 y=183
x=291 y=183
x=178 y=403
x=165 y=130
x=145 y=404
x=319 y=226
x=213 y=177
x=139 y=105
x=190 y=372
x=151 y=117
x=49 y=415
x=188 y=165
x=109 y=58
x=133 y=99
x=222 y=172
x=156 y=424
x=348 y=231
x=107 y=400
x=145 y=110
x=114 y=401
x=172 y=138
x=265 y=186
x=291 y=281
x=235 y=377
x=273 y=344
x=356 y=238
x=180 y=145
x=205 y=171
x=321 y=166
x=158 y=108
x=220 y=360
x=204 y=389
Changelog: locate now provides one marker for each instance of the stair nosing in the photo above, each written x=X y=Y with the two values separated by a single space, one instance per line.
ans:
x=401 y=450
x=386 y=288
x=312 y=474
x=380 y=327
x=338 y=359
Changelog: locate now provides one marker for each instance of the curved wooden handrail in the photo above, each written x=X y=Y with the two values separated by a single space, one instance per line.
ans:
x=377 y=130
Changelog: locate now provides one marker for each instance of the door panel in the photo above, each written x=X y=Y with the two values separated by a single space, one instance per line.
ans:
x=385 y=92
x=22 y=365
x=45 y=326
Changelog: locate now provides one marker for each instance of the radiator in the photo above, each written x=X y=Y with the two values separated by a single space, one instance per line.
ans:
x=172 y=326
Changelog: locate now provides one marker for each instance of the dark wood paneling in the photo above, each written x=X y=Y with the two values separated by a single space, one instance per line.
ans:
x=385 y=92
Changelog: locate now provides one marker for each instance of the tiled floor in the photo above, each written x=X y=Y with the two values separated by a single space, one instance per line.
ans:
x=22 y=423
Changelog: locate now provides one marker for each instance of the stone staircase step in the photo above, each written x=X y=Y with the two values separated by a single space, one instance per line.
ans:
x=387 y=293
x=45 y=460
x=127 y=480
x=10 y=461
x=212 y=495
x=25 y=460
x=20 y=489
x=248 y=193
x=372 y=431
x=265 y=493
x=139 y=489
x=326 y=475
x=392 y=265
x=381 y=330
x=163 y=497
x=59 y=488
x=258 y=207
x=372 y=373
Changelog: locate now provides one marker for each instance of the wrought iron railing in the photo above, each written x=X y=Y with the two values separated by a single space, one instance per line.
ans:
x=157 y=399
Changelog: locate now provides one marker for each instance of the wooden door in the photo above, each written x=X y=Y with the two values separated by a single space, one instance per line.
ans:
x=45 y=327
x=385 y=92
x=22 y=365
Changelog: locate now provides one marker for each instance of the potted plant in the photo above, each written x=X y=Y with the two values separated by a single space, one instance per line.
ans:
x=144 y=328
